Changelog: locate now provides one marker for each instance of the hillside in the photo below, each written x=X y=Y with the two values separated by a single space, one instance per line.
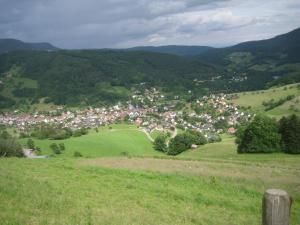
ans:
x=101 y=77
x=173 y=49
x=92 y=77
x=276 y=57
x=8 y=45
x=256 y=99
x=213 y=186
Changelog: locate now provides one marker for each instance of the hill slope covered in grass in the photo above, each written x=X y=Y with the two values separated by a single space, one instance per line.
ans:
x=144 y=191
x=256 y=99
x=117 y=141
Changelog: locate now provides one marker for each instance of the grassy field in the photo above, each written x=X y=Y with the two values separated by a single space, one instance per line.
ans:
x=120 y=140
x=210 y=185
x=139 y=191
x=256 y=98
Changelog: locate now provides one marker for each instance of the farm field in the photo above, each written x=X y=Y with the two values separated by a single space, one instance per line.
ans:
x=255 y=100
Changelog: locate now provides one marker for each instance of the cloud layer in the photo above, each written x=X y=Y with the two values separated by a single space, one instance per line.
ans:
x=125 y=23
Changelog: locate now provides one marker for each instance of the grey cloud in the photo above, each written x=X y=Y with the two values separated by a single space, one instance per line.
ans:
x=123 y=23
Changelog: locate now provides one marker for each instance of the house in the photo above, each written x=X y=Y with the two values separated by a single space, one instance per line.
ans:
x=231 y=130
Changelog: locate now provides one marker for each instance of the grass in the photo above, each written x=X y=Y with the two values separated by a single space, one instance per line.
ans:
x=120 y=140
x=69 y=191
x=255 y=99
x=155 y=133
x=226 y=151
x=210 y=185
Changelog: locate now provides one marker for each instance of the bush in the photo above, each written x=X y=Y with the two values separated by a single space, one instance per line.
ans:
x=80 y=132
x=30 y=143
x=160 y=143
x=289 y=128
x=180 y=143
x=77 y=154
x=197 y=137
x=61 y=146
x=9 y=147
x=261 y=135
x=214 y=138
x=55 y=148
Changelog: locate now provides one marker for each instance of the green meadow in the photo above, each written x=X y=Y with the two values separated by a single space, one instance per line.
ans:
x=255 y=100
x=209 y=185
x=114 y=140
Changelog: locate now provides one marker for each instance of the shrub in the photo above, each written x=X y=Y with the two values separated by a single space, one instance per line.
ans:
x=180 y=143
x=77 y=154
x=61 y=146
x=214 y=138
x=197 y=137
x=289 y=128
x=30 y=143
x=55 y=148
x=160 y=143
x=80 y=132
x=9 y=147
x=261 y=135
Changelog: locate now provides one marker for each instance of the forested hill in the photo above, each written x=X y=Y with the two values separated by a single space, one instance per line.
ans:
x=173 y=49
x=278 y=57
x=7 y=45
x=93 y=77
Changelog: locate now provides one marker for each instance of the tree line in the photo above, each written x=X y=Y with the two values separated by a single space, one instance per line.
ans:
x=265 y=135
x=182 y=142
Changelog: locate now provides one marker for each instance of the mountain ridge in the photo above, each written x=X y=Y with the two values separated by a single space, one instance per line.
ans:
x=10 y=44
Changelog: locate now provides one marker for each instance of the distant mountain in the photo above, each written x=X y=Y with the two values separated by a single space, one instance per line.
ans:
x=8 y=45
x=173 y=49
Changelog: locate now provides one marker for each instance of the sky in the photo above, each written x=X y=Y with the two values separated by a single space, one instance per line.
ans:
x=75 y=24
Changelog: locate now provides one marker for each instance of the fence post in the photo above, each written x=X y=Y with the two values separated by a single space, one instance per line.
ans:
x=276 y=206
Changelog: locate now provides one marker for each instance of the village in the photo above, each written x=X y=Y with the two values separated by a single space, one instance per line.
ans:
x=148 y=110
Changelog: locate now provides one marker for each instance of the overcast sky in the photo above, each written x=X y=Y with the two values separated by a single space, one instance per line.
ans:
x=127 y=23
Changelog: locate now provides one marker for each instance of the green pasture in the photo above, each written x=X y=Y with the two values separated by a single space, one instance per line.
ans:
x=255 y=100
x=209 y=185
x=226 y=151
x=119 y=140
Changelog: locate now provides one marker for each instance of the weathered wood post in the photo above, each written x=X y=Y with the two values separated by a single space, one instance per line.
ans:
x=276 y=206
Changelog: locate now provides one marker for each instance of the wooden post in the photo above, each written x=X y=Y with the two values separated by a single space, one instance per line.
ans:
x=276 y=206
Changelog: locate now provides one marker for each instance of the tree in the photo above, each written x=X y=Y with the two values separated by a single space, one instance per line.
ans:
x=180 y=143
x=160 y=143
x=289 y=128
x=198 y=138
x=261 y=135
x=55 y=148
x=30 y=143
